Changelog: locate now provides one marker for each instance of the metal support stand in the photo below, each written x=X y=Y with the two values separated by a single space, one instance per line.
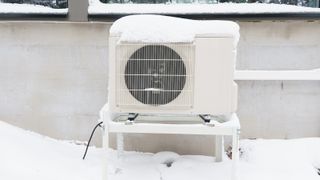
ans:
x=229 y=128
x=105 y=145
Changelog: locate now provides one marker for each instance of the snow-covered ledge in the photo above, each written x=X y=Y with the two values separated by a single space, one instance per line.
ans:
x=233 y=10
x=8 y=8
x=285 y=75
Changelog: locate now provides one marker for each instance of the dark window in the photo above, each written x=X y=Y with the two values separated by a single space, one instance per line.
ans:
x=307 y=3
x=60 y=4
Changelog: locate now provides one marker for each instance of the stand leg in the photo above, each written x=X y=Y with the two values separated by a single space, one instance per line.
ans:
x=120 y=144
x=235 y=145
x=219 y=148
x=235 y=154
x=105 y=157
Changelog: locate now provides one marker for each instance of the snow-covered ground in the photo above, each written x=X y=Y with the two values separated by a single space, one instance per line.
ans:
x=96 y=7
x=29 y=8
x=27 y=155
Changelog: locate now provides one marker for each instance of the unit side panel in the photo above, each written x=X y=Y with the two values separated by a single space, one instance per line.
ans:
x=111 y=73
x=214 y=68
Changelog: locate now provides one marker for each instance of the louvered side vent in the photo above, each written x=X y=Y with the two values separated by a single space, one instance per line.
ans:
x=155 y=75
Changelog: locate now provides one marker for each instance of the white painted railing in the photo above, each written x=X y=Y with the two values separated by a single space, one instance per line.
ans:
x=304 y=75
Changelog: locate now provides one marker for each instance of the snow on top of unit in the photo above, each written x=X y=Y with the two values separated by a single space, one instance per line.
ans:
x=160 y=29
x=96 y=7
x=29 y=8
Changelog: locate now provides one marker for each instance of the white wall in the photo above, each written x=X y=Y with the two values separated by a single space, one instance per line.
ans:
x=53 y=80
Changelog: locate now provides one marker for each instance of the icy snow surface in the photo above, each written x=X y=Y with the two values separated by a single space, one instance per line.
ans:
x=27 y=155
x=96 y=7
x=157 y=28
x=29 y=8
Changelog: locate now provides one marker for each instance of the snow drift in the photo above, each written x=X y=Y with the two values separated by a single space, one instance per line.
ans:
x=27 y=155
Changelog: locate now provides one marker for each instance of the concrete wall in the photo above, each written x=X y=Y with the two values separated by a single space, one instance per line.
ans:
x=53 y=80
x=53 y=76
x=279 y=109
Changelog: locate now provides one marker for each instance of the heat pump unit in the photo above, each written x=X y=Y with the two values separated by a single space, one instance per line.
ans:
x=153 y=71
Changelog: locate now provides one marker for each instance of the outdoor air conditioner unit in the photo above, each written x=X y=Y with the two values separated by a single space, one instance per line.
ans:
x=153 y=75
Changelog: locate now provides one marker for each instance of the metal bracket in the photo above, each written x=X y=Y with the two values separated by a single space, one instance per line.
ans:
x=206 y=118
x=131 y=118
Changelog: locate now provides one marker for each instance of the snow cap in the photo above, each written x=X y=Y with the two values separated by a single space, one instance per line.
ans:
x=165 y=29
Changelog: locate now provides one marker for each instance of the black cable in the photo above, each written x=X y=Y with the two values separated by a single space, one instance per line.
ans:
x=94 y=129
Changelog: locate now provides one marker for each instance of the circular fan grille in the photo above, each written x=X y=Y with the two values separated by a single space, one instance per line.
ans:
x=155 y=75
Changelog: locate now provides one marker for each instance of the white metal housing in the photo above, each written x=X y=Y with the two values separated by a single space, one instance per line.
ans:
x=209 y=88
